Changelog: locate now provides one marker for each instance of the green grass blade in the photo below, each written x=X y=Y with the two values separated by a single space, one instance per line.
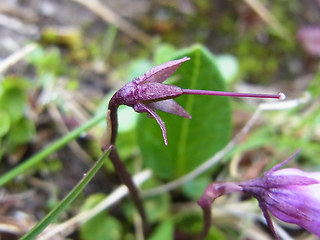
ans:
x=32 y=161
x=67 y=200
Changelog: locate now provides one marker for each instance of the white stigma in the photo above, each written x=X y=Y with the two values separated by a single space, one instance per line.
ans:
x=282 y=96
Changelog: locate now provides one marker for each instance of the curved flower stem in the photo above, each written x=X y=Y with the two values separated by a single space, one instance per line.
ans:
x=127 y=180
x=120 y=168
x=206 y=222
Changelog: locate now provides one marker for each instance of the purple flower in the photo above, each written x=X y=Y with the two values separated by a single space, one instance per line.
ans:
x=289 y=194
x=147 y=93
x=309 y=37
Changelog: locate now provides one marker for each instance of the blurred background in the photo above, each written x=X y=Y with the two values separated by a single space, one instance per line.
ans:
x=60 y=61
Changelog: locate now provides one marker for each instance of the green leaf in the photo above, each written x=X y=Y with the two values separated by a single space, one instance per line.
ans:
x=21 y=132
x=228 y=66
x=157 y=208
x=13 y=101
x=102 y=226
x=164 y=231
x=92 y=201
x=4 y=123
x=14 y=82
x=191 y=141
x=41 y=155
x=48 y=61
x=163 y=53
x=137 y=68
x=195 y=188
x=216 y=233
x=63 y=204
x=314 y=86
x=189 y=222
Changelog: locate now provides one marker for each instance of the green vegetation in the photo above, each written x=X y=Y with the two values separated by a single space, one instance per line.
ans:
x=53 y=104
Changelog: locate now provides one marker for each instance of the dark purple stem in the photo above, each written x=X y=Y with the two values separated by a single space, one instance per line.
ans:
x=206 y=222
x=126 y=178
x=211 y=193
x=114 y=124
x=280 y=96
x=121 y=169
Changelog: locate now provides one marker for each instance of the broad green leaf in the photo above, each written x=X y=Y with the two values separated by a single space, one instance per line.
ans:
x=164 y=231
x=228 y=66
x=127 y=119
x=4 y=123
x=137 y=68
x=189 y=222
x=92 y=201
x=157 y=208
x=13 y=101
x=191 y=141
x=163 y=53
x=195 y=188
x=14 y=82
x=102 y=226
x=48 y=61
x=216 y=233
x=22 y=132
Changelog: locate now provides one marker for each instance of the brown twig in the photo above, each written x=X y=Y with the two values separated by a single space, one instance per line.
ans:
x=111 y=17
x=62 y=127
x=16 y=57
x=268 y=18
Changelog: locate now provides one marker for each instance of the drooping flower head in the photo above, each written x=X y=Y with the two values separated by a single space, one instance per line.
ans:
x=147 y=93
x=289 y=194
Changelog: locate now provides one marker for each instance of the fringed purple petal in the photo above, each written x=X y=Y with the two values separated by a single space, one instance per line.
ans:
x=161 y=72
x=169 y=106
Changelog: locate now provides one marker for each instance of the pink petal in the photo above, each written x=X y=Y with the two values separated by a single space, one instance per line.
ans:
x=297 y=172
x=155 y=91
x=169 y=106
x=161 y=72
x=310 y=39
